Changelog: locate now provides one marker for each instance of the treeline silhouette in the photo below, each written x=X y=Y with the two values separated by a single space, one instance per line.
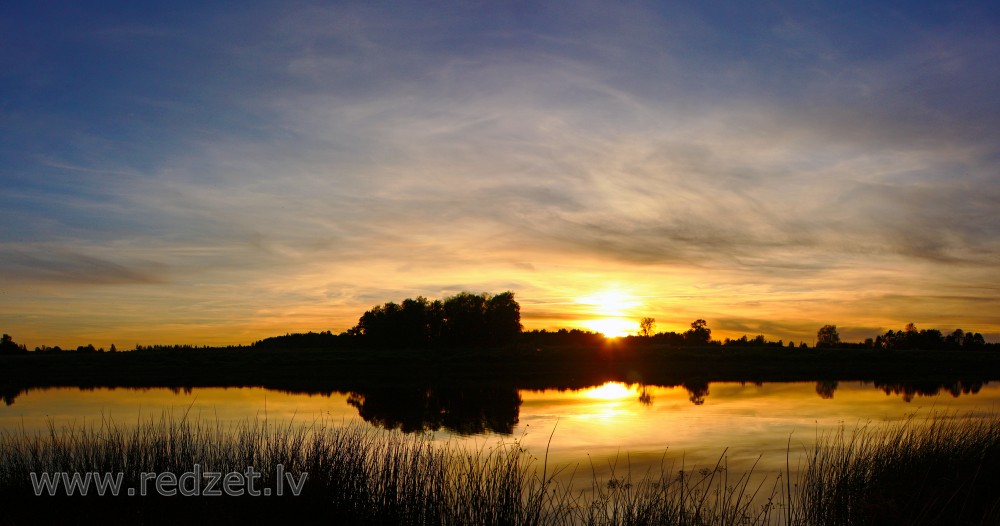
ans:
x=759 y=341
x=911 y=338
x=699 y=335
x=494 y=320
x=463 y=320
x=306 y=340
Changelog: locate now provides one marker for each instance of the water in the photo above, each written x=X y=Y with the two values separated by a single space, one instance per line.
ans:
x=592 y=430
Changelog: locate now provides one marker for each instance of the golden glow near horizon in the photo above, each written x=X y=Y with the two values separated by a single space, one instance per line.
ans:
x=611 y=327
x=615 y=310
x=556 y=293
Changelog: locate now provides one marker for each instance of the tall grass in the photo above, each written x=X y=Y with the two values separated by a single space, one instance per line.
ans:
x=941 y=471
x=685 y=497
x=355 y=473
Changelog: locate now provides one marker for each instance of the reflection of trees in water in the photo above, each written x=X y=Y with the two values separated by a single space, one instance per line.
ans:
x=645 y=398
x=697 y=391
x=912 y=389
x=825 y=388
x=494 y=409
x=9 y=394
x=464 y=411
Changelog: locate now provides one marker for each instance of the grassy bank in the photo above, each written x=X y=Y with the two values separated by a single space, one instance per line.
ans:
x=934 y=472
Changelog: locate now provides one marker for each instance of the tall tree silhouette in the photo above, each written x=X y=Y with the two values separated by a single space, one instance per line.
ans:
x=465 y=319
x=827 y=336
x=698 y=334
x=503 y=318
x=646 y=326
x=7 y=345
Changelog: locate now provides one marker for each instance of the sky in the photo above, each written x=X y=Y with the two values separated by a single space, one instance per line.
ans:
x=220 y=172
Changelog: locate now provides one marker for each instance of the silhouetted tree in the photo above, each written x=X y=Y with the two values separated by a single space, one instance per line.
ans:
x=435 y=321
x=930 y=339
x=698 y=334
x=646 y=326
x=503 y=318
x=7 y=345
x=827 y=336
x=908 y=338
x=379 y=325
x=465 y=319
x=414 y=325
x=973 y=341
x=955 y=339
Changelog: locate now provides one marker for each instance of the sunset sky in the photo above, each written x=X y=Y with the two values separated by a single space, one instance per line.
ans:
x=176 y=173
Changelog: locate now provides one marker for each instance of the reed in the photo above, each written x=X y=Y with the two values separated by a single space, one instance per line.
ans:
x=355 y=473
x=936 y=471
x=939 y=470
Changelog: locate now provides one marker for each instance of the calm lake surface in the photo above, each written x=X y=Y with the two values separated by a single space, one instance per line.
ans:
x=638 y=425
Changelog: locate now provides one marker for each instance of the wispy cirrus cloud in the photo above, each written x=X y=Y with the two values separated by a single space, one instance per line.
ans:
x=59 y=266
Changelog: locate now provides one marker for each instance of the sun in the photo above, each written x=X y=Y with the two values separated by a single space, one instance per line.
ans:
x=609 y=312
x=610 y=302
x=612 y=327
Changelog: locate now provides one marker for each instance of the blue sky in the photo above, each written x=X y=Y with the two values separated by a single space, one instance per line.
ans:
x=172 y=172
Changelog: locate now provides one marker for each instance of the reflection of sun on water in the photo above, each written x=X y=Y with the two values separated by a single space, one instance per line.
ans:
x=609 y=401
x=609 y=391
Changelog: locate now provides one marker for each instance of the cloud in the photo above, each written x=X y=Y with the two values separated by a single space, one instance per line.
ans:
x=58 y=266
